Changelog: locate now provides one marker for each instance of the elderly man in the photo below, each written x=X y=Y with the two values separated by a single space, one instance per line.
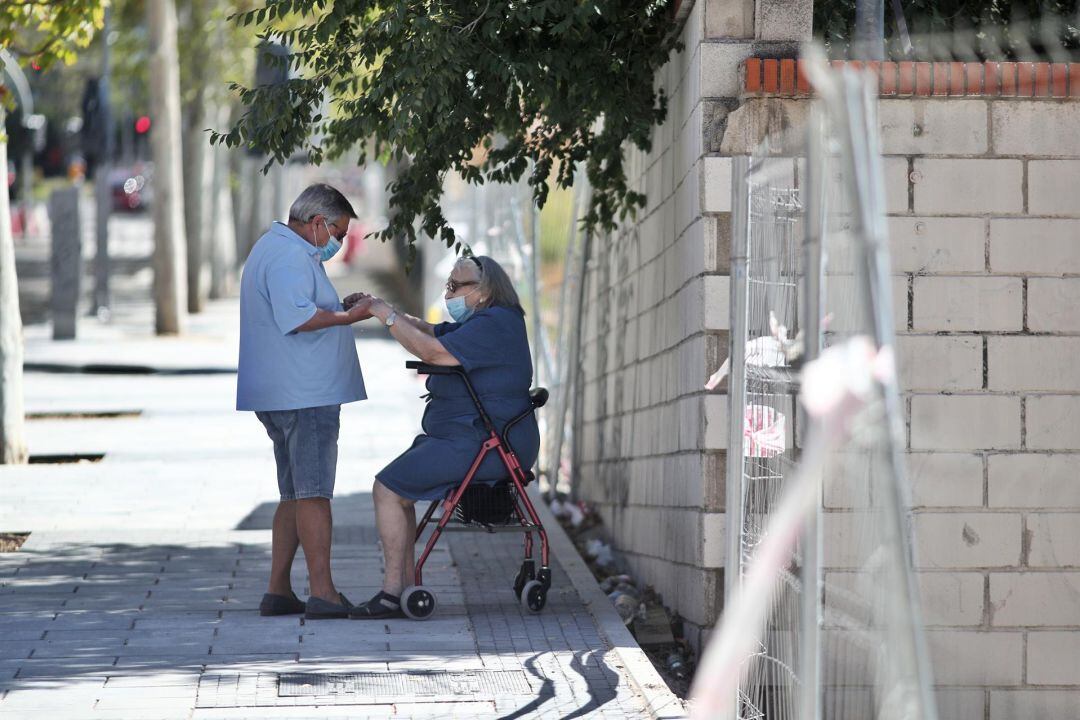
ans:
x=298 y=364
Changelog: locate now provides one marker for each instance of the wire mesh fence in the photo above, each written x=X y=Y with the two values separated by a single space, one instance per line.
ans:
x=819 y=569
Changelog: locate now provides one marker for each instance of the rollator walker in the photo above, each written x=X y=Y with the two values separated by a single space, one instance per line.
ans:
x=480 y=507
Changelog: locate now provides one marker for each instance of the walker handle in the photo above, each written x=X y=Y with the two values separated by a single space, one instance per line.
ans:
x=423 y=368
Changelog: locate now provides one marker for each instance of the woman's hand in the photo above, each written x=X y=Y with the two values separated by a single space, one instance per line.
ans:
x=359 y=309
x=380 y=308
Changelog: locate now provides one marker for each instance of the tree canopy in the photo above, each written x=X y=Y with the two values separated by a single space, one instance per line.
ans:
x=45 y=31
x=489 y=90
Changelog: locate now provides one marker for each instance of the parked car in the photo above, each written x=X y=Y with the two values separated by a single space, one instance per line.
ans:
x=131 y=187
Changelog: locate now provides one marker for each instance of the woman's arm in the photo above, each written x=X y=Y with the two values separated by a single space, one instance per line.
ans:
x=424 y=327
x=415 y=335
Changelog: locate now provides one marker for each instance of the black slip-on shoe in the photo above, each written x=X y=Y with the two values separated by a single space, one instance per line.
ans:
x=380 y=607
x=319 y=609
x=280 y=605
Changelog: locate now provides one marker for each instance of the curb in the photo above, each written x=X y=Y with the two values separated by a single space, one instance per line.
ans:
x=662 y=704
x=122 y=369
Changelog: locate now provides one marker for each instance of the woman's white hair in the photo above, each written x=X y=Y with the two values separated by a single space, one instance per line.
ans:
x=495 y=285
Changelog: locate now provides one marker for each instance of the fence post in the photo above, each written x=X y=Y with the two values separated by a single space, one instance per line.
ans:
x=66 y=262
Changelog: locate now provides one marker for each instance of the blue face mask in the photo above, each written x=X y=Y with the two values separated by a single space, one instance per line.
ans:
x=458 y=309
x=330 y=249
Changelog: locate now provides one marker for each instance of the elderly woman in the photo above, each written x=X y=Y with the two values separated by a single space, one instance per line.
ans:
x=487 y=339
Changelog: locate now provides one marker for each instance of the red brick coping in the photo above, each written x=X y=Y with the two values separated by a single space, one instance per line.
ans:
x=787 y=78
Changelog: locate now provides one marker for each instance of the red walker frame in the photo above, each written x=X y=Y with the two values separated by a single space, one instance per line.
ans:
x=523 y=510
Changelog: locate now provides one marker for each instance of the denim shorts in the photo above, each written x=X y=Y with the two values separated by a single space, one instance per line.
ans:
x=305 y=447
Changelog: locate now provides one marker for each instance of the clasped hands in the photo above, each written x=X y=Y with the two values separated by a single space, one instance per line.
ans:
x=362 y=306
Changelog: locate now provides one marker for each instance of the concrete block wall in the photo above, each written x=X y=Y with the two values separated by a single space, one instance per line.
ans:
x=984 y=219
x=984 y=224
x=649 y=439
x=647 y=459
x=989 y=244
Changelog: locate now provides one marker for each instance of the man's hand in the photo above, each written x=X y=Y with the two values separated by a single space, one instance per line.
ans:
x=354 y=298
x=360 y=308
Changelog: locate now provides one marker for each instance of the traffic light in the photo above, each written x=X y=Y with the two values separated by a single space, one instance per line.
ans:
x=142 y=125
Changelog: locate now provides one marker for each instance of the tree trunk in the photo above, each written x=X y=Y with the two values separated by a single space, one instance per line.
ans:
x=12 y=440
x=195 y=158
x=257 y=203
x=220 y=229
x=169 y=254
x=194 y=85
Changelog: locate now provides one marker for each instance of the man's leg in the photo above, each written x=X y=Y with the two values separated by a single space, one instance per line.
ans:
x=285 y=540
x=392 y=517
x=314 y=525
x=313 y=462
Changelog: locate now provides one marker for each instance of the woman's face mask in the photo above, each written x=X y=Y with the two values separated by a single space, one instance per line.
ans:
x=459 y=310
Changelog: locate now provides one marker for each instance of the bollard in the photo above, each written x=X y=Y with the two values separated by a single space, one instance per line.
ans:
x=66 y=263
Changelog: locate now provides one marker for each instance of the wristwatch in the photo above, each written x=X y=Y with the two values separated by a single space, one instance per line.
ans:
x=390 y=318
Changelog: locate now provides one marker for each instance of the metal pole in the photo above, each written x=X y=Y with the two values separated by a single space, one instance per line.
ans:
x=863 y=175
x=740 y=241
x=869 y=36
x=810 y=705
x=100 y=306
x=740 y=219
x=534 y=289
x=557 y=430
x=573 y=363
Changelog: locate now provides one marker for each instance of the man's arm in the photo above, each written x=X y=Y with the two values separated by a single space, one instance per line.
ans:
x=329 y=318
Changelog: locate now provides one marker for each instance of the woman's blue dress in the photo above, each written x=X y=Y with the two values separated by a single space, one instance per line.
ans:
x=492 y=346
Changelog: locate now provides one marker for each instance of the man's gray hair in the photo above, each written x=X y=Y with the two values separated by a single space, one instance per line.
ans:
x=495 y=285
x=320 y=199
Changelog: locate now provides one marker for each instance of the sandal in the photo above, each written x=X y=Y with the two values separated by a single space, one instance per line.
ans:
x=382 y=606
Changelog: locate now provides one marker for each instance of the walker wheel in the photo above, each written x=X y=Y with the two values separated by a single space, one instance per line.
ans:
x=533 y=596
x=526 y=573
x=418 y=603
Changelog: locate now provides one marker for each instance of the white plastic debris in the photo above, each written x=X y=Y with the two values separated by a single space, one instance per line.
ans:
x=574 y=514
x=765 y=431
x=765 y=351
x=599 y=551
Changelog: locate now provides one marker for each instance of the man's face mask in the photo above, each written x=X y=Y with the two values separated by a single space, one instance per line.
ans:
x=330 y=249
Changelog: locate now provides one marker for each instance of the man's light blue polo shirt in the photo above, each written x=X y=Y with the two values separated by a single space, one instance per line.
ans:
x=282 y=286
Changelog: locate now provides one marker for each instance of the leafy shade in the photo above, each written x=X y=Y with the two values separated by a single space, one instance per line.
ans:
x=489 y=90
x=46 y=31
x=964 y=29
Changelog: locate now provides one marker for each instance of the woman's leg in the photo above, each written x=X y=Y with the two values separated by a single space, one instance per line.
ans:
x=396 y=522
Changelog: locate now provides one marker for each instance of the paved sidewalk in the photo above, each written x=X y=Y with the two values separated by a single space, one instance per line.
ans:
x=136 y=595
